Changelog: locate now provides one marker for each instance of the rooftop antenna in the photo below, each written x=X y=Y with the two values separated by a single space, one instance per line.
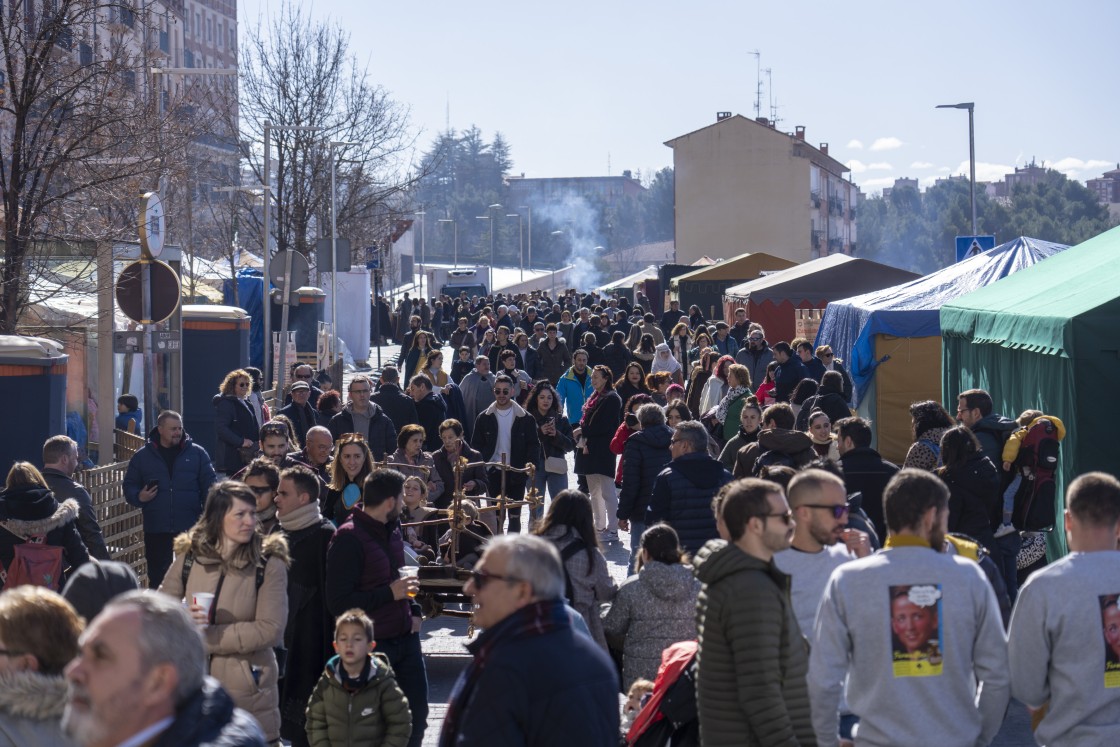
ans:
x=448 y=121
x=758 y=83
x=608 y=163
x=773 y=104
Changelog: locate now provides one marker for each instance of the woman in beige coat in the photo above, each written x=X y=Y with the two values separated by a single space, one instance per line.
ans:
x=226 y=555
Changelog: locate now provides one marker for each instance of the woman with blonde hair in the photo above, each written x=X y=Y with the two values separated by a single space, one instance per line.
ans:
x=235 y=425
x=234 y=581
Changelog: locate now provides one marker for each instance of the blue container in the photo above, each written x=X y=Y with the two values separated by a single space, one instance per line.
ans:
x=215 y=342
x=33 y=376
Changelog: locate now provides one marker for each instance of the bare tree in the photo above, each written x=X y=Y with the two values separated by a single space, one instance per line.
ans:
x=300 y=73
x=81 y=135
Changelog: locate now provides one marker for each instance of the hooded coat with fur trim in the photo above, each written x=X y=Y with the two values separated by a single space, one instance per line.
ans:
x=33 y=511
x=248 y=622
x=31 y=706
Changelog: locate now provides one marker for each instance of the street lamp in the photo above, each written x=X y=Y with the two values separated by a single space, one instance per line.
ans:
x=529 y=210
x=266 y=182
x=555 y=235
x=971 y=154
x=455 y=225
x=420 y=213
x=334 y=251
x=520 y=243
x=490 y=217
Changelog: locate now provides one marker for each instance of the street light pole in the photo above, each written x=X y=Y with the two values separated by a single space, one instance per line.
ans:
x=490 y=216
x=529 y=210
x=555 y=234
x=520 y=243
x=455 y=226
x=970 y=106
x=334 y=254
x=422 y=213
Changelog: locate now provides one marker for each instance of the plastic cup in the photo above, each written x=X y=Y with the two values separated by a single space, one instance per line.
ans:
x=203 y=599
x=410 y=572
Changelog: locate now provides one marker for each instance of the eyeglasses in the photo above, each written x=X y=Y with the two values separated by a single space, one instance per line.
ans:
x=756 y=339
x=9 y=652
x=838 y=510
x=260 y=489
x=501 y=391
x=243 y=385
x=274 y=429
x=481 y=578
x=786 y=517
x=827 y=355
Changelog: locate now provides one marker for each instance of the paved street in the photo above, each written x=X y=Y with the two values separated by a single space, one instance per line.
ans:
x=445 y=638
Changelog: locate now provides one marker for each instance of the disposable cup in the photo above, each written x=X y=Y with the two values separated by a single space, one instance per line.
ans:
x=410 y=571
x=203 y=599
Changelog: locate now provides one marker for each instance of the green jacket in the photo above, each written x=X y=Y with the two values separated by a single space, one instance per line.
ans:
x=376 y=714
x=753 y=659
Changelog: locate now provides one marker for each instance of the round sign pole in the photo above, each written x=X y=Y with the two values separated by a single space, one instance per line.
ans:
x=150 y=226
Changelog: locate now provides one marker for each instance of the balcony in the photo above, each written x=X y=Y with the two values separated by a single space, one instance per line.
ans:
x=835 y=245
x=817 y=238
x=815 y=199
x=852 y=213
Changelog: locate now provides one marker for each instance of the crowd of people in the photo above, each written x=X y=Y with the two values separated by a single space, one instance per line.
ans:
x=804 y=588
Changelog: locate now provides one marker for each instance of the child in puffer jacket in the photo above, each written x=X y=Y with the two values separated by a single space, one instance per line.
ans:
x=357 y=700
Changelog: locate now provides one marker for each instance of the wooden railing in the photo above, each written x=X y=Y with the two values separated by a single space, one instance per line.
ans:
x=126 y=444
x=121 y=524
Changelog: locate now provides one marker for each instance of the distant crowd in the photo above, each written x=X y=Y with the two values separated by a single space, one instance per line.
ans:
x=788 y=584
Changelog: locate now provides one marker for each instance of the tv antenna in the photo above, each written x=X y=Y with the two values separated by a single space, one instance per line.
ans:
x=758 y=83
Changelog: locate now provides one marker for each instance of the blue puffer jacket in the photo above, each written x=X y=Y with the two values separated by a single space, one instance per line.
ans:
x=646 y=454
x=682 y=497
x=210 y=718
x=572 y=395
x=182 y=493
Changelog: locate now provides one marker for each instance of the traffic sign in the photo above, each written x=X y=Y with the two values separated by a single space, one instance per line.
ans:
x=300 y=275
x=167 y=341
x=151 y=224
x=165 y=291
x=128 y=342
x=970 y=246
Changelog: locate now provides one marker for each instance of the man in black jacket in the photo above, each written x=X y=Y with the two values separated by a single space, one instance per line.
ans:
x=431 y=410
x=362 y=416
x=671 y=318
x=865 y=471
x=646 y=453
x=60 y=461
x=505 y=428
x=789 y=373
x=300 y=412
x=397 y=405
x=141 y=672
x=683 y=492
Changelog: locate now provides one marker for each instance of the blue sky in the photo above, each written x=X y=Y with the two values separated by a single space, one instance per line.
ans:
x=580 y=87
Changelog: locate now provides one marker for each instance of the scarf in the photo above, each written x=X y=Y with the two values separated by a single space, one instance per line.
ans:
x=732 y=394
x=301 y=518
x=267 y=514
x=666 y=363
x=354 y=684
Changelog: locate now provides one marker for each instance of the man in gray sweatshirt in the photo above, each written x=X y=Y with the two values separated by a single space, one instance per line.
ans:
x=1065 y=629
x=917 y=632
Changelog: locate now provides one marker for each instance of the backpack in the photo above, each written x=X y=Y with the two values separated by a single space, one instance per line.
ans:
x=680 y=724
x=569 y=552
x=1035 y=501
x=771 y=458
x=34 y=563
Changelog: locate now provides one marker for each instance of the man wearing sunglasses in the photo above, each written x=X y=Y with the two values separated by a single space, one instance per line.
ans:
x=822 y=541
x=753 y=660
x=535 y=680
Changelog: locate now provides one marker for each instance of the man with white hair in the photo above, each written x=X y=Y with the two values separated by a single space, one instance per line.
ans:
x=140 y=679
x=535 y=680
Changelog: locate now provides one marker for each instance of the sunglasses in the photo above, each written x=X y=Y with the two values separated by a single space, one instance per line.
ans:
x=481 y=578
x=786 y=517
x=838 y=511
x=260 y=489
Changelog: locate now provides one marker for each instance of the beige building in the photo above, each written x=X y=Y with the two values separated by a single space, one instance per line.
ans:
x=744 y=186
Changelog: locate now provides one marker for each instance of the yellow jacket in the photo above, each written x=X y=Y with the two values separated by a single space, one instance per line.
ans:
x=1015 y=440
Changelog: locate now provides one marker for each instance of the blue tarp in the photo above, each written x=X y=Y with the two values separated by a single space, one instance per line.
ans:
x=249 y=293
x=913 y=309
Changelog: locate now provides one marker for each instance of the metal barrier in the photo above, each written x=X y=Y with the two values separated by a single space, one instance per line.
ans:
x=121 y=524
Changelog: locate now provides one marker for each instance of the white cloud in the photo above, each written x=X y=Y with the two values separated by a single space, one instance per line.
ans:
x=880 y=166
x=921 y=165
x=927 y=181
x=876 y=184
x=986 y=172
x=855 y=144
x=886 y=143
x=1073 y=167
x=857 y=167
x=944 y=169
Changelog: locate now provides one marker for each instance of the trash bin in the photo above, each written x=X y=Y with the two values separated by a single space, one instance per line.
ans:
x=33 y=374
x=304 y=319
x=215 y=342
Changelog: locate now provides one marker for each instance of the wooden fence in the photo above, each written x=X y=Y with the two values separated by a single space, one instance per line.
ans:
x=121 y=524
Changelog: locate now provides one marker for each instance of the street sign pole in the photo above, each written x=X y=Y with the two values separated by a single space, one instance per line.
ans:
x=377 y=313
x=287 y=292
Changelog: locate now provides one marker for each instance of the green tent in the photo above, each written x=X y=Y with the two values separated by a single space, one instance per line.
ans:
x=1047 y=337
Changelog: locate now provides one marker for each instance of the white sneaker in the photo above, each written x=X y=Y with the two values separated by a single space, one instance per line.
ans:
x=1004 y=530
x=607 y=536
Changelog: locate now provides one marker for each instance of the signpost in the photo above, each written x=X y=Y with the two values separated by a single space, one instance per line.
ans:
x=289 y=271
x=970 y=246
